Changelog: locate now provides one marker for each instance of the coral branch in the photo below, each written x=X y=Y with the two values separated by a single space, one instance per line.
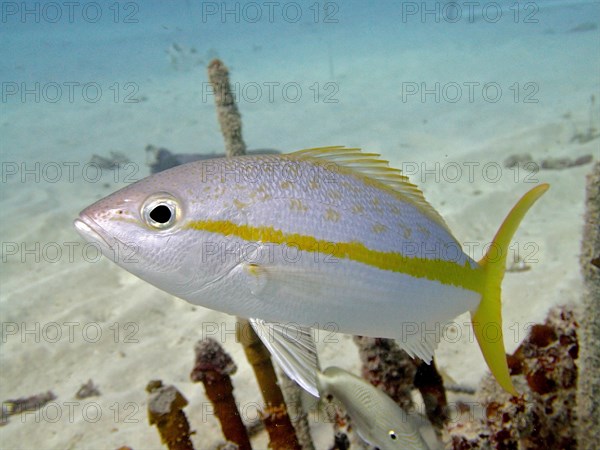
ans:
x=165 y=406
x=277 y=422
x=588 y=389
x=293 y=399
x=213 y=367
x=227 y=112
x=431 y=385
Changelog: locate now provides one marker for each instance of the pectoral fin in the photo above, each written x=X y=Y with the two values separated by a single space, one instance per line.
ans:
x=293 y=348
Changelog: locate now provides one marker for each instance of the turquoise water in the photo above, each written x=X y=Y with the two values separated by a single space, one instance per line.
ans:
x=351 y=64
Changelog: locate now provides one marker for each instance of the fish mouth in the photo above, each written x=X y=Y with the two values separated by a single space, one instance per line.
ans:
x=92 y=232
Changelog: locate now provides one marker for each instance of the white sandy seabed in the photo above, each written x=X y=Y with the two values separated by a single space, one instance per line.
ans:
x=69 y=317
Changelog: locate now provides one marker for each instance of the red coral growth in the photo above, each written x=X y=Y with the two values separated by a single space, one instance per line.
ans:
x=542 y=335
x=542 y=417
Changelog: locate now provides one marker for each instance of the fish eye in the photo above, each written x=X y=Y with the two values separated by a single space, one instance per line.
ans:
x=161 y=211
x=392 y=435
x=161 y=214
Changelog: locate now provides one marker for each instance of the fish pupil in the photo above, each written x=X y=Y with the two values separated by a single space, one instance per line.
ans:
x=392 y=436
x=161 y=214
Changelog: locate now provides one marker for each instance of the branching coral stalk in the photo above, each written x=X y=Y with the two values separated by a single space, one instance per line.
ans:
x=227 y=112
x=430 y=384
x=588 y=389
x=275 y=417
x=277 y=422
x=292 y=394
x=165 y=405
x=213 y=368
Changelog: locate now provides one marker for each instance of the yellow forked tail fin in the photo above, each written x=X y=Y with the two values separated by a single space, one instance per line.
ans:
x=489 y=313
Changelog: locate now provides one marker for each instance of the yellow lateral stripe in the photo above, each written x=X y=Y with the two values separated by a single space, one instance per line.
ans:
x=446 y=272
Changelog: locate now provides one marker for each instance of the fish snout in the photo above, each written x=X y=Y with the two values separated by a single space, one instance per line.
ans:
x=91 y=231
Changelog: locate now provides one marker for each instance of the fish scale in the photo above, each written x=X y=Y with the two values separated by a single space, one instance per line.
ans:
x=302 y=207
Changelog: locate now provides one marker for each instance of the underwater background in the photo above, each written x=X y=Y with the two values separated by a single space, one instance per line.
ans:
x=475 y=101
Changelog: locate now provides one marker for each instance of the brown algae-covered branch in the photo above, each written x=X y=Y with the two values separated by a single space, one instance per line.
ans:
x=275 y=417
x=165 y=405
x=213 y=368
x=588 y=388
x=430 y=384
x=227 y=112
x=292 y=393
x=277 y=422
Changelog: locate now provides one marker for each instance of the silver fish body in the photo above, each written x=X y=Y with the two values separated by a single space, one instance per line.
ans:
x=252 y=277
x=313 y=239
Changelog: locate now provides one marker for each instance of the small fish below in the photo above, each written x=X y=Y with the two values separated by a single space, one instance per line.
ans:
x=378 y=419
x=304 y=240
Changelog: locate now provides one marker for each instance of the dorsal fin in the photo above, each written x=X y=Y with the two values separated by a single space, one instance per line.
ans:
x=371 y=166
